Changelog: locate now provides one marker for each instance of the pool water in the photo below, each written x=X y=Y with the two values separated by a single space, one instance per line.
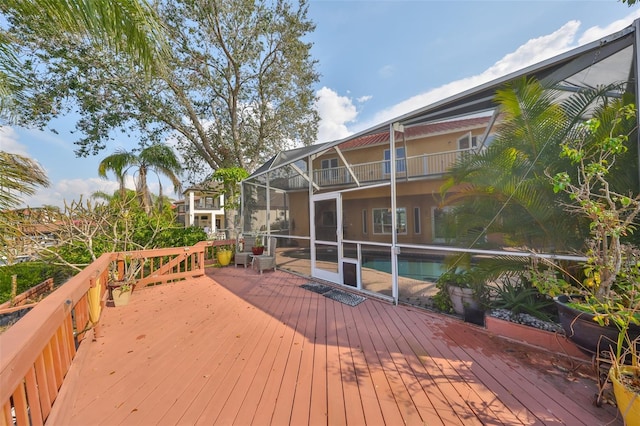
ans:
x=418 y=269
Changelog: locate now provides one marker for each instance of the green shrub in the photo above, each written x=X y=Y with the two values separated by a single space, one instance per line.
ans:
x=30 y=274
x=521 y=297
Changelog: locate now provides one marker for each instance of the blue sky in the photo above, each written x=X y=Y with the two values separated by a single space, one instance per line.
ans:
x=378 y=60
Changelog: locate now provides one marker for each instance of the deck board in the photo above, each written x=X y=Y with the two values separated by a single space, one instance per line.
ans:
x=238 y=348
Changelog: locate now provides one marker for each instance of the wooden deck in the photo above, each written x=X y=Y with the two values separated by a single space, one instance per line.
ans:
x=239 y=348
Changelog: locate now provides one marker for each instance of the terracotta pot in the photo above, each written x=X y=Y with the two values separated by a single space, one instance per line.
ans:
x=257 y=250
x=628 y=402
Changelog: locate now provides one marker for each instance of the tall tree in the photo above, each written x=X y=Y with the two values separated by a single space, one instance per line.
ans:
x=237 y=86
x=127 y=26
x=159 y=159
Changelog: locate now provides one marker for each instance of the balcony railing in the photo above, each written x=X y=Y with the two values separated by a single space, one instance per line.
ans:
x=424 y=165
x=38 y=350
x=205 y=206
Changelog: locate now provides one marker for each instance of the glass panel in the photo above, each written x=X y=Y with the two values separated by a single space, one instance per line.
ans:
x=464 y=142
x=327 y=257
x=350 y=250
x=279 y=214
x=298 y=213
x=376 y=269
x=441 y=222
x=418 y=271
x=401 y=162
x=326 y=221
x=294 y=255
x=255 y=209
x=382 y=221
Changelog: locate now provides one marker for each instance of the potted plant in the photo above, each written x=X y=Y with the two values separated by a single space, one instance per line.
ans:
x=459 y=291
x=625 y=378
x=122 y=277
x=121 y=294
x=258 y=246
x=604 y=289
x=223 y=255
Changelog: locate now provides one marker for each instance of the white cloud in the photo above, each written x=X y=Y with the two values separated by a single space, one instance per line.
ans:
x=363 y=99
x=594 y=33
x=68 y=190
x=72 y=189
x=9 y=142
x=533 y=51
x=335 y=112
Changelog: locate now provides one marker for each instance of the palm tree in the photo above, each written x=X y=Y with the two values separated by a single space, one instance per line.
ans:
x=157 y=158
x=18 y=174
x=506 y=189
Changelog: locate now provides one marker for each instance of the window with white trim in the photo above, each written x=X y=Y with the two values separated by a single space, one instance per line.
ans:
x=329 y=168
x=416 y=220
x=469 y=141
x=382 y=221
x=401 y=162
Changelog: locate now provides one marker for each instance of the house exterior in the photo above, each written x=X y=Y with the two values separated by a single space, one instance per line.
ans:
x=347 y=216
x=423 y=155
x=365 y=211
x=203 y=207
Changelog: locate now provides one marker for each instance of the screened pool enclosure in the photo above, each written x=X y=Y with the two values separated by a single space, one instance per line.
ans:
x=366 y=211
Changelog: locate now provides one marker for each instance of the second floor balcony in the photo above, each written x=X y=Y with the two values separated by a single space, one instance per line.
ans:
x=413 y=167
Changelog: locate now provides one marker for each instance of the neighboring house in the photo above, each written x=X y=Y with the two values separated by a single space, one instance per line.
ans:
x=37 y=229
x=203 y=207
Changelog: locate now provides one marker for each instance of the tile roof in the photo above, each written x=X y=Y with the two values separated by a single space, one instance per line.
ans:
x=422 y=130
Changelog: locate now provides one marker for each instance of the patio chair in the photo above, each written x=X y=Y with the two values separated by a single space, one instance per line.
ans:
x=242 y=257
x=267 y=261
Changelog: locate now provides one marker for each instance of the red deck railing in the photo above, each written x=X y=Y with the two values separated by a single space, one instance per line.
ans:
x=38 y=350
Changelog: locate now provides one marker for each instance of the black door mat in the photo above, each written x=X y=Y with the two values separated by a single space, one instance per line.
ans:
x=317 y=288
x=334 y=294
x=344 y=297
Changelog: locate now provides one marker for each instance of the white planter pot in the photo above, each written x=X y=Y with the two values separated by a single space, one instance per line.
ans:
x=461 y=297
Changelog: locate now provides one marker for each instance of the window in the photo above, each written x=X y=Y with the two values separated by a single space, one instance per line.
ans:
x=329 y=163
x=382 y=221
x=329 y=172
x=364 y=221
x=401 y=162
x=469 y=141
x=439 y=222
x=416 y=220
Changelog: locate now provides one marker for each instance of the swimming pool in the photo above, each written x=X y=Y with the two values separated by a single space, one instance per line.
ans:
x=415 y=268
